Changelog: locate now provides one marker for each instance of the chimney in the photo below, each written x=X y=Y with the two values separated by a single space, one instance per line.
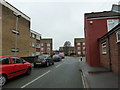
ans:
x=116 y=8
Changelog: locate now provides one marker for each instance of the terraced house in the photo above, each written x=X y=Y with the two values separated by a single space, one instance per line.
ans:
x=14 y=32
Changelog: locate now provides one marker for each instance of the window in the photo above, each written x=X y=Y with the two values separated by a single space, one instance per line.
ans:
x=118 y=36
x=38 y=37
x=33 y=35
x=104 y=49
x=33 y=44
x=48 y=44
x=17 y=60
x=37 y=53
x=4 y=60
x=79 y=53
x=111 y=23
x=14 y=49
x=48 y=49
x=42 y=44
x=15 y=31
x=33 y=53
x=37 y=45
x=78 y=48
x=42 y=49
x=84 y=52
x=83 y=48
x=83 y=43
x=78 y=43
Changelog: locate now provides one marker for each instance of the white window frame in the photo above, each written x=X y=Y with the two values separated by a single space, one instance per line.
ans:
x=83 y=43
x=104 y=46
x=33 y=44
x=48 y=44
x=117 y=36
x=48 y=49
x=79 y=48
x=79 y=53
x=42 y=44
x=42 y=49
x=111 y=22
x=78 y=43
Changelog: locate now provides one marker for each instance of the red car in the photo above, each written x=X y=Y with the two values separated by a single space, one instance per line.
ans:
x=12 y=66
x=62 y=55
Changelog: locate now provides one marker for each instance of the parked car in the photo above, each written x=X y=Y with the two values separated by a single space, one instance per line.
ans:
x=43 y=60
x=62 y=55
x=12 y=66
x=57 y=58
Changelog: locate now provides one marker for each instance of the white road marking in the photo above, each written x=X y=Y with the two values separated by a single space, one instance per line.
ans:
x=58 y=65
x=35 y=79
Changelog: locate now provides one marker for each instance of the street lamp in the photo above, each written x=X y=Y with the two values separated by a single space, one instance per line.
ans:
x=16 y=28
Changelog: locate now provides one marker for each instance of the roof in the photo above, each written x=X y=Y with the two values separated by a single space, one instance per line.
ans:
x=115 y=8
x=46 y=39
x=34 y=32
x=79 y=39
x=103 y=14
x=110 y=32
x=11 y=7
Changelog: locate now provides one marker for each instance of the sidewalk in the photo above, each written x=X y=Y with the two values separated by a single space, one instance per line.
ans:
x=98 y=77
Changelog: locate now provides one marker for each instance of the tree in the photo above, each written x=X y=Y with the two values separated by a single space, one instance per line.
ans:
x=67 y=44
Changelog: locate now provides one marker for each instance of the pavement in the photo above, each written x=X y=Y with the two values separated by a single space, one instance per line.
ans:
x=98 y=77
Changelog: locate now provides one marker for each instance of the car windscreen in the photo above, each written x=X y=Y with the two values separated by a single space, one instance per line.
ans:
x=4 y=60
x=56 y=56
x=42 y=57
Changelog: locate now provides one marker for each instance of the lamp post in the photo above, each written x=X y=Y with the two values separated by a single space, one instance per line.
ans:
x=16 y=28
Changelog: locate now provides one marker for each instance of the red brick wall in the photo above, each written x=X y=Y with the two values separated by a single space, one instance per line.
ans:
x=114 y=54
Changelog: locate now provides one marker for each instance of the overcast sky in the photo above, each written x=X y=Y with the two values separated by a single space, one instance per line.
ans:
x=62 y=20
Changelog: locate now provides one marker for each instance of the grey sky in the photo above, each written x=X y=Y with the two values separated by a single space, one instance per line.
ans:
x=62 y=20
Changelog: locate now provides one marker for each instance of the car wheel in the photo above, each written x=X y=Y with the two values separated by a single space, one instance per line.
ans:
x=53 y=63
x=28 y=72
x=3 y=80
x=47 y=64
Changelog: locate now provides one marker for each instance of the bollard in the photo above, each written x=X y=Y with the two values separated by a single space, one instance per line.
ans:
x=81 y=58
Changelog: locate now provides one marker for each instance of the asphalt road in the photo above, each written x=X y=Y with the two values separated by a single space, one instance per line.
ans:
x=64 y=74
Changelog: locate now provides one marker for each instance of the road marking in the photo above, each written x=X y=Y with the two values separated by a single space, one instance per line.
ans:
x=35 y=79
x=85 y=84
x=58 y=65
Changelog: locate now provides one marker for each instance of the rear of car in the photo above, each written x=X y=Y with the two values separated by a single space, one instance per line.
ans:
x=43 y=60
x=56 y=58
x=62 y=55
x=12 y=66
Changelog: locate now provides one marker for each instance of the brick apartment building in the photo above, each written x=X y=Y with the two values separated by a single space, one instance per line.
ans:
x=70 y=50
x=46 y=45
x=34 y=43
x=96 y=25
x=109 y=45
x=15 y=31
x=79 y=44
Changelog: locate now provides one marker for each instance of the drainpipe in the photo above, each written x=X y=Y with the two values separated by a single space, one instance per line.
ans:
x=110 y=64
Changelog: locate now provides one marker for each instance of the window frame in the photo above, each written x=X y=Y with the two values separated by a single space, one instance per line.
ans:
x=117 y=33
x=104 y=46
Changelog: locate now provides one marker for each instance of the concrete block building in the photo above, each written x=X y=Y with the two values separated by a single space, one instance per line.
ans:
x=79 y=44
x=14 y=32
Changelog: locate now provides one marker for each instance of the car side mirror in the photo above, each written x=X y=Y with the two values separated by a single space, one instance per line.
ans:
x=24 y=62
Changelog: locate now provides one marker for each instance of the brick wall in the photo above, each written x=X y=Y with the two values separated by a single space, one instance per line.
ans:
x=9 y=38
x=114 y=56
